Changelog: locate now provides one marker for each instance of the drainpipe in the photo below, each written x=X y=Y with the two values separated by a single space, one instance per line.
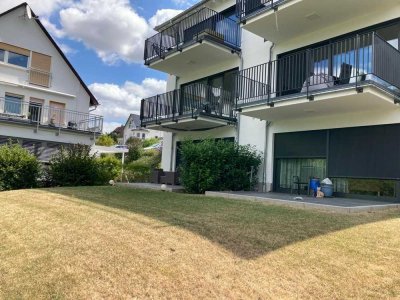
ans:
x=173 y=150
x=264 y=181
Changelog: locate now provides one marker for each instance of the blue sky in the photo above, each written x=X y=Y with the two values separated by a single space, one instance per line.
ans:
x=104 y=40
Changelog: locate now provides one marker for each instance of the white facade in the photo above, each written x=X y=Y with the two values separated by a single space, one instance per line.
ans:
x=294 y=25
x=63 y=98
x=133 y=129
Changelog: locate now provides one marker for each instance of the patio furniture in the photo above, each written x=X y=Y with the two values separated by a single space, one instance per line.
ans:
x=171 y=178
x=318 y=82
x=298 y=183
x=345 y=74
x=156 y=176
x=304 y=178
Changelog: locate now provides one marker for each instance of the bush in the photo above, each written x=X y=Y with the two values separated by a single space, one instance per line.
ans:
x=75 y=166
x=140 y=170
x=18 y=168
x=135 y=147
x=218 y=165
x=150 y=142
x=105 y=140
x=109 y=168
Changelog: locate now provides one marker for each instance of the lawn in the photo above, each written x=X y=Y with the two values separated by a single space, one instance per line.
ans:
x=113 y=242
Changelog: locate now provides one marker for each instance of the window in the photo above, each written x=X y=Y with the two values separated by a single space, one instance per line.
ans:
x=13 y=104
x=2 y=54
x=138 y=135
x=143 y=136
x=17 y=59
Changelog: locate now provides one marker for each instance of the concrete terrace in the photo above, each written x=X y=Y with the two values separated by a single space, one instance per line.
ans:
x=342 y=205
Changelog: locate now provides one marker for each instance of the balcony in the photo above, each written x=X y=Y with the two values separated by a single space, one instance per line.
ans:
x=282 y=20
x=358 y=73
x=203 y=39
x=194 y=107
x=47 y=117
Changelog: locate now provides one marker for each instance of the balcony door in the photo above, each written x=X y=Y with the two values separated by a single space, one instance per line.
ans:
x=35 y=110
x=57 y=114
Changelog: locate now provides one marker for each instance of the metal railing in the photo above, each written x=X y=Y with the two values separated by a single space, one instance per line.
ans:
x=191 y=100
x=356 y=60
x=193 y=28
x=39 y=77
x=248 y=8
x=52 y=117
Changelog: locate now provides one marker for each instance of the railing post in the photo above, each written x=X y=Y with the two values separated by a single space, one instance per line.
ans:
x=141 y=112
x=161 y=51
x=308 y=70
x=173 y=104
x=157 y=108
x=357 y=53
x=269 y=80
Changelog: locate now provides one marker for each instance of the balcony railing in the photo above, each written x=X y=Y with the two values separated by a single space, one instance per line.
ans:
x=355 y=61
x=39 y=77
x=247 y=8
x=191 y=101
x=47 y=116
x=204 y=23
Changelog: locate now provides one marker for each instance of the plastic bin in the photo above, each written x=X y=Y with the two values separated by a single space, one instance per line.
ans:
x=327 y=189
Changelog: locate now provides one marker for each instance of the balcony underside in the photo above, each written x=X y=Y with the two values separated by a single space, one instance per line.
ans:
x=324 y=103
x=195 y=56
x=297 y=17
x=189 y=123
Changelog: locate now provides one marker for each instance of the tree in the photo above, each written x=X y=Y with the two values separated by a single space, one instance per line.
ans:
x=135 y=147
x=105 y=140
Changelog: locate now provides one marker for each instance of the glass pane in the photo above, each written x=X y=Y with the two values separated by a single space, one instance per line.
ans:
x=35 y=111
x=12 y=105
x=371 y=187
x=391 y=34
x=303 y=168
x=17 y=59
x=2 y=52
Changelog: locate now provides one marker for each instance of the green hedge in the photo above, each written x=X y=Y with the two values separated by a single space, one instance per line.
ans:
x=18 y=168
x=218 y=165
x=140 y=169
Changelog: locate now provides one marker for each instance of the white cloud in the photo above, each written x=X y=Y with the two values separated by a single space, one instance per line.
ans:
x=117 y=102
x=111 y=27
x=163 y=15
x=184 y=3
x=40 y=7
x=110 y=126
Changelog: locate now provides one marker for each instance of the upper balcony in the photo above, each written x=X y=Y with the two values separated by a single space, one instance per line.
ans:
x=280 y=20
x=16 y=111
x=357 y=73
x=201 y=40
x=194 y=107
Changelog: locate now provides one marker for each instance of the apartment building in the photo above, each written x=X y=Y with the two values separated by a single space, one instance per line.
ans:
x=133 y=128
x=43 y=101
x=314 y=85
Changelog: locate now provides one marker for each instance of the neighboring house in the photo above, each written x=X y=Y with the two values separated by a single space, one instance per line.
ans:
x=43 y=101
x=312 y=84
x=133 y=128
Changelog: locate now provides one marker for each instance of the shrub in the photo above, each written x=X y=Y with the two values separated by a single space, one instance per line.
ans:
x=135 y=147
x=150 y=142
x=109 y=168
x=18 y=168
x=218 y=165
x=75 y=166
x=105 y=140
x=140 y=170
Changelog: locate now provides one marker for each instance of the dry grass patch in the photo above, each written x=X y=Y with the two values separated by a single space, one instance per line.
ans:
x=104 y=242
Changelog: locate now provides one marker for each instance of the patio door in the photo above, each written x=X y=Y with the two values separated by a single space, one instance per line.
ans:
x=56 y=114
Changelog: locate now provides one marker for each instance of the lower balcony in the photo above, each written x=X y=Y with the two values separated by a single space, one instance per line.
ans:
x=354 y=74
x=16 y=111
x=195 y=107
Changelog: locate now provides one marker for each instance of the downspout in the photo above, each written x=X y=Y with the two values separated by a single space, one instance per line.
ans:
x=173 y=136
x=267 y=125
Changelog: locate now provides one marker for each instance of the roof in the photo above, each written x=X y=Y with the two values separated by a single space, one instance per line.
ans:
x=136 y=120
x=182 y=15
x=93 y=100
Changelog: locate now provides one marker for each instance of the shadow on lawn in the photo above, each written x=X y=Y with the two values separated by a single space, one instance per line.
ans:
x=247 y=229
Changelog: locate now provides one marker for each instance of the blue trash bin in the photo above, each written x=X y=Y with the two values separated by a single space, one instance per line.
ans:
x=327 y=189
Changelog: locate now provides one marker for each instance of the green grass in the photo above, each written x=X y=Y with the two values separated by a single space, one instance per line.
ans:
x=114 y=242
